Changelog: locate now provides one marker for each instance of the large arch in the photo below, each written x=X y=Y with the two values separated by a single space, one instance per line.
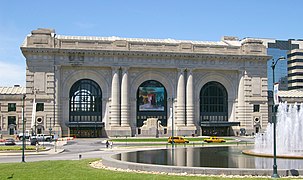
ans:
x=68 y=78
x=151 y=102
x=230 y=84
x=85 y=109
x=156 y=75
x=101 y=79
x=213 y=108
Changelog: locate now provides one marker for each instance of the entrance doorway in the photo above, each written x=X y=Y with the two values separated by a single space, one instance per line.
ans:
x=215 y=131
x=85 y=132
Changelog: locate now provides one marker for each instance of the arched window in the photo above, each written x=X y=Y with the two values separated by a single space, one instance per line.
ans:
x=151 y=102
x=213 y=102
x=85 y=101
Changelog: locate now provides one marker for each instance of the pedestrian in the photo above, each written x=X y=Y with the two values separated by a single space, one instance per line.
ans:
x=37 y=146
x=111 y=144
x=107 y=143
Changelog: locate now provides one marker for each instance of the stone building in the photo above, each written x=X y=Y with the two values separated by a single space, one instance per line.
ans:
x=294 y=96
x=11 y=105
x=110 y=86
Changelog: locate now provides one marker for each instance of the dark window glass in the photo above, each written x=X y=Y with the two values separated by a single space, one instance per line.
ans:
x=11 y=107
x=11 y=131
x=40 y=107
x=296 y=80
x=256 y=108
x=39 y=130
x=11 y=120
x=295 y=74
x=294 y=54
x=295 y=87
x=294 y=61
x=294 y=67
x=213 y=102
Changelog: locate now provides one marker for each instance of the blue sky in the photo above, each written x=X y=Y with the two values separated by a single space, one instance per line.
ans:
x=186 y=20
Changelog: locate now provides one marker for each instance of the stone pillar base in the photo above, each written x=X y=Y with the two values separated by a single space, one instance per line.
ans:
x=119 y=131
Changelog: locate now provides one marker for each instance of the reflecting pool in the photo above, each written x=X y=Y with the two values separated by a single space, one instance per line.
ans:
x=219 y=157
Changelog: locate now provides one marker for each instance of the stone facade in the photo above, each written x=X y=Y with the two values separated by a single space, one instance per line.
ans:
x=11 y=110
x=120 y=65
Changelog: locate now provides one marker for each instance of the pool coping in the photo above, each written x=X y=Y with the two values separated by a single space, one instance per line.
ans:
x=109 y=161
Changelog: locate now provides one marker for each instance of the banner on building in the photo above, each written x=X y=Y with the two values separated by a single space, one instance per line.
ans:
x=276 y=91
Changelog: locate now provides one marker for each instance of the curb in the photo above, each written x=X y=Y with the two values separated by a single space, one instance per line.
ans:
x=32 y=153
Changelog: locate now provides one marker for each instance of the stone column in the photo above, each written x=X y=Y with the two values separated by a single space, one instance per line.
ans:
x=189 y=99
x=124 y=98
x=241 y=99
x=180 y=115
x=115 y=101
x=58 y=102
x=241 y=88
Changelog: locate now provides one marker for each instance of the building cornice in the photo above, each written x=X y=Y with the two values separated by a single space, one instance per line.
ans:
x=149 y=54
x=45 y=41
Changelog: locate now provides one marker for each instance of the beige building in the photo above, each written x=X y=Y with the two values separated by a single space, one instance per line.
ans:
x=291 y=96
x=110 y=86
x=11 y=109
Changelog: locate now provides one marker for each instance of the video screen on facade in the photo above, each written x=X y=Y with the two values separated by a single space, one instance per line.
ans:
x=151 y=98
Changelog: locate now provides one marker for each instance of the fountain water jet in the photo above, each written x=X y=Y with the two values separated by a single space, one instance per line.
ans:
x=289 y=134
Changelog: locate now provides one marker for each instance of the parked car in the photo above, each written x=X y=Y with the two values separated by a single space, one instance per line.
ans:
x=42 y=137
x=214 y=139
x=27 y=135
x=10 y=142
x=177 y=139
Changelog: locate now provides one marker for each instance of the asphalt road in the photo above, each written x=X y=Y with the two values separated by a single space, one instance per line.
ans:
x=87 y=148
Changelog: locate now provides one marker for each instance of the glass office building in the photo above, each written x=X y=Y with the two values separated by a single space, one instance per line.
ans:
x=276 y=49
x=280 y=69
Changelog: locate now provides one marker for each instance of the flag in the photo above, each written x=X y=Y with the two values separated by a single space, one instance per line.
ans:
x=276 y=91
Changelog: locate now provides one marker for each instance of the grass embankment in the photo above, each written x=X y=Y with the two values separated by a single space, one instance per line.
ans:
x=191 y=139
x=79 y=169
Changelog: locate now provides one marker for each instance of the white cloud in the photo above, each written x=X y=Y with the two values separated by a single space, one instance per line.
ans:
x=11 y=74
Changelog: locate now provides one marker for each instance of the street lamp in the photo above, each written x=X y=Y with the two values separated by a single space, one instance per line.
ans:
x=50 y=128
x=23 y=130
x=275 y=171
x=172 y=123
x=172 y=120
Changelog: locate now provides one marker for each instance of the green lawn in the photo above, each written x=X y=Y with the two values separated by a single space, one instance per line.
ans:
x=18 y=148
x=77 y=169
